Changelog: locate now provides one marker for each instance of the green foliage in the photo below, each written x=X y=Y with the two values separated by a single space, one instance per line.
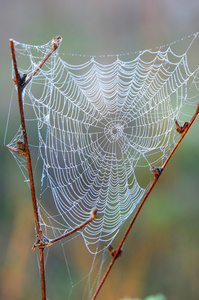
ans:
x=156 y=297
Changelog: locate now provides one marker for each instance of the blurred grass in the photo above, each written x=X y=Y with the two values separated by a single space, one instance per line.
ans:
x=156 y=297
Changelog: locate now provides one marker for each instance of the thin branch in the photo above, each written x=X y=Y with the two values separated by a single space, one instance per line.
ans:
x=15 y=150
x=22 y=146
x=42 y=273
x=157 y=173
x=55 y=43
x=93 y=216
x=43 y=242
x=27 y=152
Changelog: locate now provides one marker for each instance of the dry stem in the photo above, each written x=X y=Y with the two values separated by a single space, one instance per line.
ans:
x=157 y=172
x=21 y=82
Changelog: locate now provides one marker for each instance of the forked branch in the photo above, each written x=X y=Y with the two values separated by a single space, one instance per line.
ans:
x=157 y=172
x=19 y=83
x=54 y=45
x=43 y=241
x=22 y=148
x=93 y=216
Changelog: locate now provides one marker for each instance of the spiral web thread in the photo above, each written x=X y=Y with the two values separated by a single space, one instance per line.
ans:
x=101 y=126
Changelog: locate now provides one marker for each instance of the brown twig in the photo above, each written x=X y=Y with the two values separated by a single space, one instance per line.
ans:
x=22 y=146
x=93 y=216
x=27 y=152
x=15 y=150
x=43 y=241
x=157 y=172
x=42 y=273
x=55 y=43
x=21 y=82
x=18 y=83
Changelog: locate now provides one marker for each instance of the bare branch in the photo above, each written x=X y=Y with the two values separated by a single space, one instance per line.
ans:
x=22 y=146
x=54 y=45
x=43 y=242
x=157 y=171
x=15 y=150
x=42 y=273
x=26 y=151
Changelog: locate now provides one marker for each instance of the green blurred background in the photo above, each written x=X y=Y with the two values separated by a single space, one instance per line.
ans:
x=162 y=252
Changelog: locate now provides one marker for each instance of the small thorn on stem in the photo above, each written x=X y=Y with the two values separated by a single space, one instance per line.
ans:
x=41 y=242
x=93 y=213
x=156 y=171
x=20 y=145
x=55 y=42
x=113 y=251
x=21 y=79
x=181 y=129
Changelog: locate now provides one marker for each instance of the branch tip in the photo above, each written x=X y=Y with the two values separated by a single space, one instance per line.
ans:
x=16 y=150
x=55 y=42
x=93 y=213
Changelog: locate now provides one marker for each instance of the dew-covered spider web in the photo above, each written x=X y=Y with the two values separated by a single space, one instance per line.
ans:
x=96 y=126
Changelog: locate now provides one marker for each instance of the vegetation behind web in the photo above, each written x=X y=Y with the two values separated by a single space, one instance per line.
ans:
x=156 y=297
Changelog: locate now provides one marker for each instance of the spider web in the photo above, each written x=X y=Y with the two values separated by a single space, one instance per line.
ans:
x=101 y=124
